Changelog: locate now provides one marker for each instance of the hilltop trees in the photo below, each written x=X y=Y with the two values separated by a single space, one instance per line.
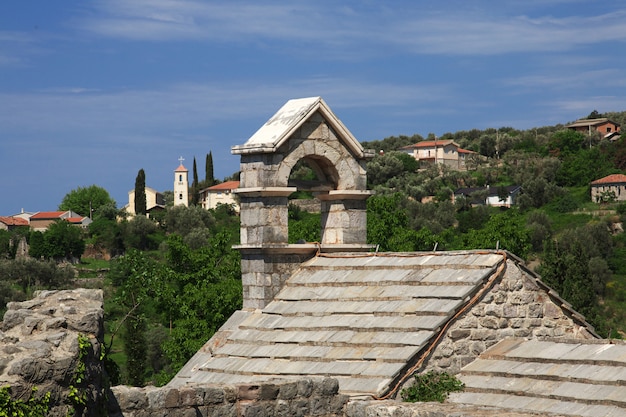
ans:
x=62 y=241
x=86 y=200
x=209 y=177
x=140 y=193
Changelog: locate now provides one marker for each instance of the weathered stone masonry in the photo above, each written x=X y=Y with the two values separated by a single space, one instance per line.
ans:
x=518 y=305
x=303 y=130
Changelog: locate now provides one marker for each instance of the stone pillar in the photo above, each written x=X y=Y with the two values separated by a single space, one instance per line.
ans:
x=264 y=271
x=344 y=217
x=267 y=260
x=264 y=215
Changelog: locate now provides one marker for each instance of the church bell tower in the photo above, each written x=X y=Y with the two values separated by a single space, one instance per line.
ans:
x=181 y=185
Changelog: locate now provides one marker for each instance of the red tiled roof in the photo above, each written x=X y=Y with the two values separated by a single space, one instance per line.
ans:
x=75 y=219
x=227 y=185
x=465 y=151
x=430 y=144
x=611 y=179
x=48 y=215
x=181 y=168
x=13 y=221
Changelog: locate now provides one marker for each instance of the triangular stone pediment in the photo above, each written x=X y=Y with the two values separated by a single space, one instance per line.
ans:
x=290 y=117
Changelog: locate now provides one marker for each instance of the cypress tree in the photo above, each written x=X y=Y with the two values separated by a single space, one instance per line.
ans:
x=209 y=178
x=194 y=184
x=140 y=193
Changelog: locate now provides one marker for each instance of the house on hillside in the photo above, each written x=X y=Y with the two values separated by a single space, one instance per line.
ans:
x=10 y=223
x=608 y=128
x=154 y=201
x=219 y=194
x=610 y=188
x=445 y=152
x=489 y=196
x=41 y=220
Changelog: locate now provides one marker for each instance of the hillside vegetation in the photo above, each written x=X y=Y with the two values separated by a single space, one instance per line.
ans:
x=575 y=244
x=174 y=278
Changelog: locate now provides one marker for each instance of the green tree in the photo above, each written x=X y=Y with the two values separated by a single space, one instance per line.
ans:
x=141 y=233
x=303 y=226
x=208 y=282
x=86 y=200
x=140 y=286
x=184 y=220
x=31 y=274
x=209 y=178
x=140 y=193
x=107 y=234
x=135 y=348
x=385 y=218
x=505 y=230
x=381 y=168
x=195 y=196
x=61 y=240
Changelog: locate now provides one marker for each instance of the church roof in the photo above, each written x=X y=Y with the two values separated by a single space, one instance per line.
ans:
x=288 y=119
x=364 y=319
x=564 y=377
x=181 y=168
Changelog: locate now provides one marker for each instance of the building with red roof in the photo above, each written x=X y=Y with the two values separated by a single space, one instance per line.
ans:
x=43 y=219
x=609 y=188
x=9 y=223
x=222 y=193
x=445 y=152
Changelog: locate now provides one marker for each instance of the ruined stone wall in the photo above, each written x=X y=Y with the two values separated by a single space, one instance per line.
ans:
x=40 y=345
x=306 y=397
x=519 y=305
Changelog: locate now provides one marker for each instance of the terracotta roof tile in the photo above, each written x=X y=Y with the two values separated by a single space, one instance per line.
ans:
x=227 y=185
x=13 y=221
x=75 y=219
x=610 y=179
x=48 y=215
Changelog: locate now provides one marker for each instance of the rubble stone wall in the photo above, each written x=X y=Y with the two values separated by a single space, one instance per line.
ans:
x=40 y=346
x=306 y=397
x=518 y=305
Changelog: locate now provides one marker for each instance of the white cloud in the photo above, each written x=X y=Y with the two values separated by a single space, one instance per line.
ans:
x=462 y=29
x=190 y=106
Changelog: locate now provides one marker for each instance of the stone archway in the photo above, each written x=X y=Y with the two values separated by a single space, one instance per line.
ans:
x=303 y=129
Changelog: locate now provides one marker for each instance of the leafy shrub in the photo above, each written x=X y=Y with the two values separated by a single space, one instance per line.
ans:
x=33 y=407
x=431 y=386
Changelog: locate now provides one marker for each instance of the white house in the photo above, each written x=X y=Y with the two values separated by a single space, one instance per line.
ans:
x=489 y=196
x=219 y=194
x=612 y=186
x=445 y=152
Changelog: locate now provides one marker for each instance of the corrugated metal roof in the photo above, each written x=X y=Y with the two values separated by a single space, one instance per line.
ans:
x=572 y=378
x=361 y=319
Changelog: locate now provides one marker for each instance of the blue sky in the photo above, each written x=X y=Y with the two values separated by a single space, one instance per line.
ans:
x=91 y=91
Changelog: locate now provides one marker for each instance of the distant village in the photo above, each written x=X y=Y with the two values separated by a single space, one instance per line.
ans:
x=209 y=198
x=444 y=152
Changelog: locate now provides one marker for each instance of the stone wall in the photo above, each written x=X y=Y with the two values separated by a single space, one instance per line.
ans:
x=306 y=397
x=39 y=347
x=518 y=305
